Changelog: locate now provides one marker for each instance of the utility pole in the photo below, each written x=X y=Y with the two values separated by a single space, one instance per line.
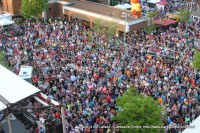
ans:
x=191 y=6
x=125 y=15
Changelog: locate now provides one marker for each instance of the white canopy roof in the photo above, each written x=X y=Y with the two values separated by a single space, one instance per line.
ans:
x=7 y=16
x=13 y=88
x=194 y=127
x=120 y=6
x=127 y=5
x=153 y=1
x=5 y=21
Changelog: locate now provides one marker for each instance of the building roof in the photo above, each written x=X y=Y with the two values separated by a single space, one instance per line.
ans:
x=162 y=2
x=196 y=13
x=165 y=22
x=100 y=9
x=13 y=89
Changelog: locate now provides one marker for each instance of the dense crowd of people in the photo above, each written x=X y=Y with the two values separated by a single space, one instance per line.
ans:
x=87 y=77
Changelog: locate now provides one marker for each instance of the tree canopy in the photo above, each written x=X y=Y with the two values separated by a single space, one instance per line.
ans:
x=33 y=8
x=2 y=59
x=103 y=27
x=184 y=15
x=151 y=26
x=196 y=61
x=152 y=14
x=138 y=110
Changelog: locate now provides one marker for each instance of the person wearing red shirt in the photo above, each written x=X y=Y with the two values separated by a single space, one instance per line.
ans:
x=108 y=98
x=37 y=130
x=98 y=119
x=57 y=115
x=145 y=69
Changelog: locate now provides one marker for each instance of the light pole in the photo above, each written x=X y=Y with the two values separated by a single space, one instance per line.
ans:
x=191 y=6
x=44 y=12
x=125 y=15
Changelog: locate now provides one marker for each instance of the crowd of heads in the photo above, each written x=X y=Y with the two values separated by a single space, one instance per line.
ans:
x=87 y=76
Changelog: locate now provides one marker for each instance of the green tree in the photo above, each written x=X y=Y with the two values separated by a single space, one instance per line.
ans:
x=33 y=8
x=89 y=36
x=138 y=110
x=184 y=15
x=196 y=61
x=103 y=26
x=113 y=2
x=112 y=29
x=151 y=26
x=98 y=26
x=152 y=15
x=3 y=61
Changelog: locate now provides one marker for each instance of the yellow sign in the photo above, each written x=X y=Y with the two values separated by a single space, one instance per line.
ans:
x=174 y=16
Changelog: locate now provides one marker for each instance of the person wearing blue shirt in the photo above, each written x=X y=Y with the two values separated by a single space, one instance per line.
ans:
x=164 y=98
x=41 y=130
x=181 y=99
x=169 y=121
x=90 y=121
x=91 y=104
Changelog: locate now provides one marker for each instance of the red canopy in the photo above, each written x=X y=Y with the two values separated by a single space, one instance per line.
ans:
x=162 y=2
x=165 y=22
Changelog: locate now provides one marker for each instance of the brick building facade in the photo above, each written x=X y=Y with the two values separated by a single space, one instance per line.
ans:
x=11 y=6
x=84 y=10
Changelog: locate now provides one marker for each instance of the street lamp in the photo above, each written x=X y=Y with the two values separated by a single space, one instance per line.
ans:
x=125 y=15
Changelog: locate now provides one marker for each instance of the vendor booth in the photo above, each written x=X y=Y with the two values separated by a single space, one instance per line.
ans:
x=161 y=5
x=164 y=22
x=175 y=16
x=152 y=3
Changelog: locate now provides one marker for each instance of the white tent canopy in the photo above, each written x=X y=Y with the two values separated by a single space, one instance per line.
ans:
x=7 y=16
x=5 y=21
x=153 y=1
x=13 y=88
x=194 y=127
x=126 y=5
x=120 y=6
x=123 y=6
